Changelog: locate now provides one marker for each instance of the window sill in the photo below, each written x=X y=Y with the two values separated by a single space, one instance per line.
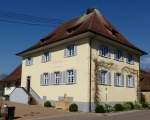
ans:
x=104 y=84
x=118 y=86
x=130 y=87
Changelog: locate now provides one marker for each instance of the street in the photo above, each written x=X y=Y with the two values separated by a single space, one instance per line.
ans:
x=131 y=115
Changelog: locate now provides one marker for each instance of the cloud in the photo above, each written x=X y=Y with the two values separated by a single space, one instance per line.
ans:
x=146 y=61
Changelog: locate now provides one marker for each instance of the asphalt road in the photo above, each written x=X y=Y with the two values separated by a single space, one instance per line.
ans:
x=134 y=115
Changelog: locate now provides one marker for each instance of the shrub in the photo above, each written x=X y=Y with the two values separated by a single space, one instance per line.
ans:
x=108 y=108
x=100 y=109
x=145 y=105
x=73 y=108
x=137 y=106
x=47 y=104
x=118 y=107
x=127 y=106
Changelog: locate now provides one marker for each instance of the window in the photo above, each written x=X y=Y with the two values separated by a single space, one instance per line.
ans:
x=45 y=57
x=104 y=52
x=29 y=61
x=105 y=77
x=57 y=77
x=118 y=55
x=130 y=59
x=70 y=51
x=119 y=79
x=44 y=79
x=71 y=76
x=130 y=81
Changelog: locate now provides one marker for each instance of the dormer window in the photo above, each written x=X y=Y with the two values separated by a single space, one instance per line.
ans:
x=29 y=61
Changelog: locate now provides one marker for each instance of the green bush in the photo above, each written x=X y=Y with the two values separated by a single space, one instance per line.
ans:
x=127 y=106
x=100 y=109
x=145 y=105
x=108 y=108
x=137 y=106
x=47 y=104
x=118 y=107
x=73 y=108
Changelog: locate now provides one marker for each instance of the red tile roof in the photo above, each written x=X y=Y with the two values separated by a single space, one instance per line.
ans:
x=15 y=75
x=92 y=21
x=145 y=80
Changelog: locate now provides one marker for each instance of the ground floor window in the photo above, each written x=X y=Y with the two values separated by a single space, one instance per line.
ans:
x=130 y=81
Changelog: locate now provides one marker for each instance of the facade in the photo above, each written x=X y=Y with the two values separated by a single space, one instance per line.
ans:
x=12 y=81
x=145 y=84
x=85 y=59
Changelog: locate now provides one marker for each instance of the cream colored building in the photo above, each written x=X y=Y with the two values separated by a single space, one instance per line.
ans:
x=63 y=63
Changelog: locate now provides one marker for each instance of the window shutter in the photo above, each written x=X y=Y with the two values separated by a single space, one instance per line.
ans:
x=61 y=78
x=100 y=50
x=64 y=74
x=49 y=58
x=53 y=78
x=115 y=54
x=122 y=80
x=26 y=60
x=127 y=81
x=41 y=79
x=133 y=81
x=115 y=79
x=65 y=53
x=109 y=78
x=43 y=58
x=75 y=50
x=75 y=76
x=49 y=78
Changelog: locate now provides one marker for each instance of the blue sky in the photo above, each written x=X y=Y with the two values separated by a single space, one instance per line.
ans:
x=131 y=17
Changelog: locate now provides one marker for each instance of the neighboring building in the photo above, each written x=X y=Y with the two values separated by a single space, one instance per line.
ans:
x=63 y=63
x=145 y=84
x=12 y=81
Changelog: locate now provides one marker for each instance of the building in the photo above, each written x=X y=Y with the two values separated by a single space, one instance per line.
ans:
x=86 y=59
x=12 y=81
x=145 y=84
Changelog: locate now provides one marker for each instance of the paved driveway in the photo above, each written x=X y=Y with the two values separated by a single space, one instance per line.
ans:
x=135 y=115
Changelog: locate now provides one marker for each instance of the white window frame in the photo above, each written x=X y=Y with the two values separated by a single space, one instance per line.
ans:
x=70 y=76
x=119 y=80
x=46 y=57
x=130 y=81
x=29 y=61
x=118 y=55
x=130 y=59
x=104 y=51
x=45 y=79
x=70 y=50
x=58 y=77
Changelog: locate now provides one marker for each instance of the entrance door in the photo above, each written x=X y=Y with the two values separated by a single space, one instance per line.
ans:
x=28 y=83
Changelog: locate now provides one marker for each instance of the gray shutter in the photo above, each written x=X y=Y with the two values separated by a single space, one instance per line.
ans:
x=115 y=56
x=65 y=81
x=109 y=78
x=122 y=79
x=75 y=50
x=49 y=59
x=99 y=77
x=133 y=81
x=26 y=60
x=41 y=79
x=49 y=78
x=31 y=60
x=65 y=53
x=127 y=81
x=75 y=76
x=61 y=78
x=115 y=80
x=53 y=78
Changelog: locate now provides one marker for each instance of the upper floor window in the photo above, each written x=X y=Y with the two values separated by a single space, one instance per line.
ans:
x=130 y=59
x=118 y=55
x=71 y=76
x=58 y=77
x=70 y=51
x=44 y=79
x=118 y=79
x=29 y=61
x=104 y=51
x=130 y=80
x=104 y=77
x=45 y=57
